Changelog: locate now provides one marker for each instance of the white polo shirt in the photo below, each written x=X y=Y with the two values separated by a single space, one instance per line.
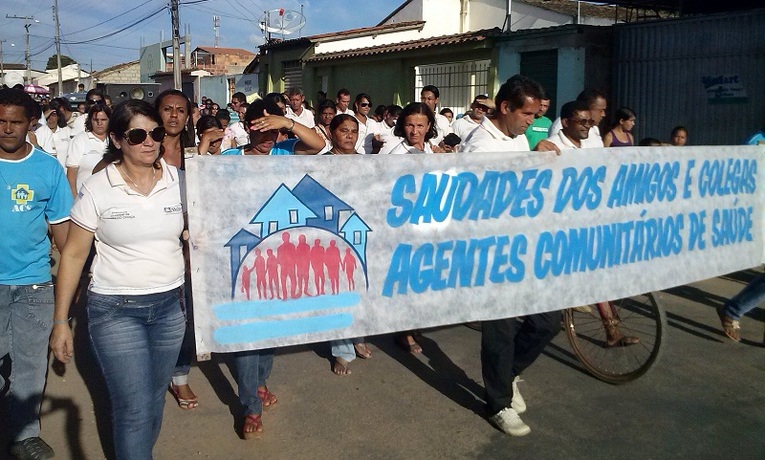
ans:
x=563 y=142
x=55 y=143
x=138 y=238
x=464 y=126
x=487 y=138
x=403 y=148
x=84 y=153
x=593 y=141
x=442 y=128
x=305 y=118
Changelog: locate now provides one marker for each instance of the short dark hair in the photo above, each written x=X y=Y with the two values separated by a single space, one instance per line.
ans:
x=92 y=113
x=339 y=119
x=623 y=113
x=648 y=141
x=678 y=128
x=123 y=114
x=255 y=110
x=206 y=122
x=432 y=89
x=343 y=92
x=446 y=110
x=590 y=95
x=240 y=96
x=94 y=92
x=413 y=109
x=223 y=115
x=361 y=96
x=277 y=97
x=394 y=109
x=570 y=108
x=515 y=91
x=380 y=110
x=326 y=104
x=17 y=97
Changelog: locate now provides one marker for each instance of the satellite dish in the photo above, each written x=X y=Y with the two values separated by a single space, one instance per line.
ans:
x=281 y=21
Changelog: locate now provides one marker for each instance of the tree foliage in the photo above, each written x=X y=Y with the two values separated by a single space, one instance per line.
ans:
x=65 y=61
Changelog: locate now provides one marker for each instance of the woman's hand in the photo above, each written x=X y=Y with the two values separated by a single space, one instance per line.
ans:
x=269 y=121
x=61 y=343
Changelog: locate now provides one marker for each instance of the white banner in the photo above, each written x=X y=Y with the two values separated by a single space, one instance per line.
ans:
x=289 y=250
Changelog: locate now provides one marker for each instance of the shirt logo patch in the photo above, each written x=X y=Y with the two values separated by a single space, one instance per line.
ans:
x=175 y=209
x=21 y=195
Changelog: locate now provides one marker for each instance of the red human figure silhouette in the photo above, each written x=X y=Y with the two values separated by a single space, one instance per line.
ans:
x=303 y=257
x=260 y=273
x=285 y=254
x=246 y=271
x=317 y=264
x=272 y=272
x=332 y=261
x=349 y=266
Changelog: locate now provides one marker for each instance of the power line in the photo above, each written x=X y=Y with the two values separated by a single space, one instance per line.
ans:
x=111 y=34
x=110 y=19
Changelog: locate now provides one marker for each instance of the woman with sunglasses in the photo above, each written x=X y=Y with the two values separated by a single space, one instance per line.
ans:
x=367 y=125
x=133 y=210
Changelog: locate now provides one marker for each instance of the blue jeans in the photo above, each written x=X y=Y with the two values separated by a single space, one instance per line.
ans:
x=343 y=348
x=746 y=300
x=136 y=340
x=252 y=370
x=26 y=320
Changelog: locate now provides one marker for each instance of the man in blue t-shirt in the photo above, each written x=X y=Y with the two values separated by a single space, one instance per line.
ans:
x=33 y=194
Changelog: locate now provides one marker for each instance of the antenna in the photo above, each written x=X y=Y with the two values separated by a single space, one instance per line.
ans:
x=216 y=27
x=281 y=21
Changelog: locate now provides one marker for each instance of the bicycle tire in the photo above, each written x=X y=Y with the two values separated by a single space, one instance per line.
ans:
x=639 y=316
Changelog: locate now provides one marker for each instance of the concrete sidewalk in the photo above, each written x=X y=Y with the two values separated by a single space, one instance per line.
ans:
x=705 y=399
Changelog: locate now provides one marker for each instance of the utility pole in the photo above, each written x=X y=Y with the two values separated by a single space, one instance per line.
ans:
x=29 y=20
x=58 y=47
x=176 y=45
x=2 y=71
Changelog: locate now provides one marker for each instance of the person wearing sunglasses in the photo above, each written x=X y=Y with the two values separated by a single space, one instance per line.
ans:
x=367 y=125
x=576 y=123
x=479 y=108
x=133 y=210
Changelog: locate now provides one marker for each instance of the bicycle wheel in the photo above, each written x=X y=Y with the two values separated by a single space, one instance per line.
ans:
x=639 y=317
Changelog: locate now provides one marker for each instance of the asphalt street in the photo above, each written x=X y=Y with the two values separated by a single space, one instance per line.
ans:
x=704 y=399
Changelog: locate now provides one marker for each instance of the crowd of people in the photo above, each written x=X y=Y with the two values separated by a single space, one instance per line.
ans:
x=107 y=185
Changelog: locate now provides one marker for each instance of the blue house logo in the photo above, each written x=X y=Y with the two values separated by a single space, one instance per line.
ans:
x=294 y=266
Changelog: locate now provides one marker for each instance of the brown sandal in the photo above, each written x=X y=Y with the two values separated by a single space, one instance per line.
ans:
x=253 y=426
x=731 y=327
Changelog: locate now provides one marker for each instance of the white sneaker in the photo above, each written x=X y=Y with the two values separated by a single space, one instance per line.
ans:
x=517 y=403
x=509 y=422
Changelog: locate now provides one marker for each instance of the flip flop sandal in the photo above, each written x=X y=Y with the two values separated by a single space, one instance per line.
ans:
x=185 y=404
x=362 y=351
x=268 y=398
x=253 y=427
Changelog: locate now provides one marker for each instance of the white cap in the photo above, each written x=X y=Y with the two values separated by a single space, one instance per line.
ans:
x=13 y=79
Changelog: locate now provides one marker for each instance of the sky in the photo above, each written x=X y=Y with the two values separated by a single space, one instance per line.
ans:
x=108 y=32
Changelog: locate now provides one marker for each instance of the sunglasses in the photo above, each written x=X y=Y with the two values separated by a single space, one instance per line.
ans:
x=137 y=136
x=364 y=104
x=95 y=101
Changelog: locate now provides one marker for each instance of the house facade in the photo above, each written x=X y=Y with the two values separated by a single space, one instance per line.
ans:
x=453 y=44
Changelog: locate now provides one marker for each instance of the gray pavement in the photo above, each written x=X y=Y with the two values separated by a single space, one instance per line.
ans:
x=705 y=399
